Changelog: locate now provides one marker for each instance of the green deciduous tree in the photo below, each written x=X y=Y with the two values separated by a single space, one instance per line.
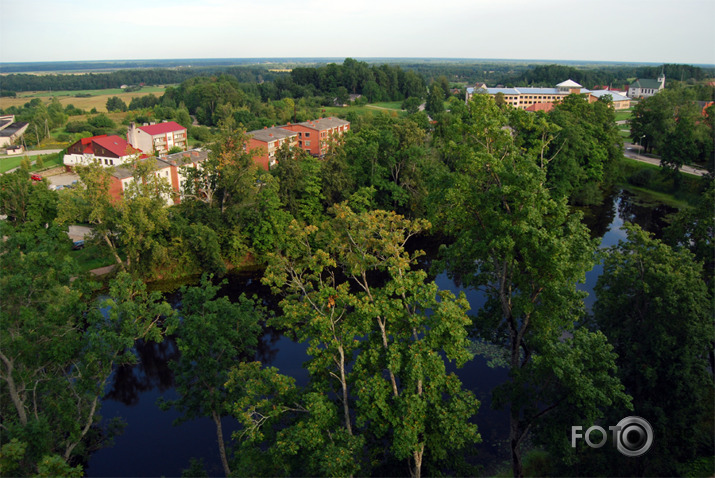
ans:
x=213 y=335
x=654 y=307
x=435 y=101
x=527 y=252
x=59 y=346
x=401 y=390
x=115 y=103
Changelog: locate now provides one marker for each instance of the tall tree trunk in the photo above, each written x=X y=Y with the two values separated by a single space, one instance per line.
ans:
x=12 y=388
x=417 y=455
x=514 y=440
x=344 y=385
x=221 y=446
x=114 y=251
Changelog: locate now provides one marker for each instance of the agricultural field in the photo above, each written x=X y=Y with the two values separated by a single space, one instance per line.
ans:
x=97 y=99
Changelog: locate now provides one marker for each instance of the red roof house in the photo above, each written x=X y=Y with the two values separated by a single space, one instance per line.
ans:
x=105 y=150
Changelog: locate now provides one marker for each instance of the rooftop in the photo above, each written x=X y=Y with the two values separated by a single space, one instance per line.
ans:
x=568 y=84
x=13 y=128
x=615 y=96
x=162 y=128
x=646 y=83
x=123 y=173
x=324 y=123
x=271 y=134
x=186 y=157
x=115 y=144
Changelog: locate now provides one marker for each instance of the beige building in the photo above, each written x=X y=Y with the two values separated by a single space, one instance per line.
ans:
x=532 y=99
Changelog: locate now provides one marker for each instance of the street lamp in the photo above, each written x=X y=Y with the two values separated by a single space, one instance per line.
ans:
x=640 y=143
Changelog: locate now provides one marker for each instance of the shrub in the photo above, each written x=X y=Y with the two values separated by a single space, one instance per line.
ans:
x=642 y=177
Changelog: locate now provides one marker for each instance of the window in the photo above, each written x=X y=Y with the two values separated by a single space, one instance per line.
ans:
x=307 y=143
x=307 y=135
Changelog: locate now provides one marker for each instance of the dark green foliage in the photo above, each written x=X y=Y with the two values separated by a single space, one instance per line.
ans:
x=116 y=104
x=435 y=101
x=585 y=149
x=524 y=248
x=214 y=334
x=654 y=307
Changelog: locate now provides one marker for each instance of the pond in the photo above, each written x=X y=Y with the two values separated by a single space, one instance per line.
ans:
x=151 y=446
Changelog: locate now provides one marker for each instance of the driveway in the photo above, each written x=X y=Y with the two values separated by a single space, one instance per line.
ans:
x=64 y=179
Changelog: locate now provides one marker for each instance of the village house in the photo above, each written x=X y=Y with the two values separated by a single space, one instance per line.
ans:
x=158 y=138
x=645 y=88
x=105 y=150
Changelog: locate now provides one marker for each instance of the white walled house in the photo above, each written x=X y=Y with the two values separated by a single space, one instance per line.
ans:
x=158 y=138
x=645 y=88
x=105 y=150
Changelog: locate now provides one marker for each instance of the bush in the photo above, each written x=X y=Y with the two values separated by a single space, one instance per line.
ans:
x=642 y=177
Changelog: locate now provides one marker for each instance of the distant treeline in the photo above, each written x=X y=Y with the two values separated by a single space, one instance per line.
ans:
x=98 y=81
x=378 y=82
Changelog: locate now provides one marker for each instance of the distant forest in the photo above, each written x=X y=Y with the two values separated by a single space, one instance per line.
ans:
x=356 y=76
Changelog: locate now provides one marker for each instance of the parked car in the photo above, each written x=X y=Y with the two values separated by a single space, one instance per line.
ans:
x=36 y=177
x=76 y=245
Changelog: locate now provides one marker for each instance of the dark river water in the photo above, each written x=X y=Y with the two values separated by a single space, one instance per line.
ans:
x=152 y=446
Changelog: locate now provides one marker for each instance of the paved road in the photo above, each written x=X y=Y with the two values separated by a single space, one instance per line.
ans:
x=631 y=151
x=39 y=152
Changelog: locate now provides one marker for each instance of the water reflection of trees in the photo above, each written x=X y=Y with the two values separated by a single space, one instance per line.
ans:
x=151 y=371
x=650 y=216
x=598 y=217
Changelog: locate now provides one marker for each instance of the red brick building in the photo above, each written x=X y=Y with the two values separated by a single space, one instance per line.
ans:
x=315 y=136
x=264 y=143
x=168 y=168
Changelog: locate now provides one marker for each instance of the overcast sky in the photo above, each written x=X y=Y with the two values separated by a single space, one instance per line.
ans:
x=659 y=31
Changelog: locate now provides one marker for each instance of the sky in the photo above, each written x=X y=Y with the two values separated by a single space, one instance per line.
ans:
x=654 y=31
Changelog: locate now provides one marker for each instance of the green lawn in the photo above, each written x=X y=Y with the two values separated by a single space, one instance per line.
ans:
x=390 y=105
x=361 y=110
x=92 y=257
x=623 y=115
x=50 y=160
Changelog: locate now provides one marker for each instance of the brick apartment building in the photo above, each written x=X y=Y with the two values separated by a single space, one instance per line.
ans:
x=263 y=144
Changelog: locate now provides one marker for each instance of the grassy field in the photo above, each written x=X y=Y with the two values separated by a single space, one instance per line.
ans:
x=623 y=115
x=98 y=98
x=49 y=161
x=390 y=105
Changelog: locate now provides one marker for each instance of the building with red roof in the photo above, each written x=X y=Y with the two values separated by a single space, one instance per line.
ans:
x=158 y=138
x=105 y=150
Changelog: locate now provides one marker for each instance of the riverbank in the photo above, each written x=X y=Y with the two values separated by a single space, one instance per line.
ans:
x=653 y=181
